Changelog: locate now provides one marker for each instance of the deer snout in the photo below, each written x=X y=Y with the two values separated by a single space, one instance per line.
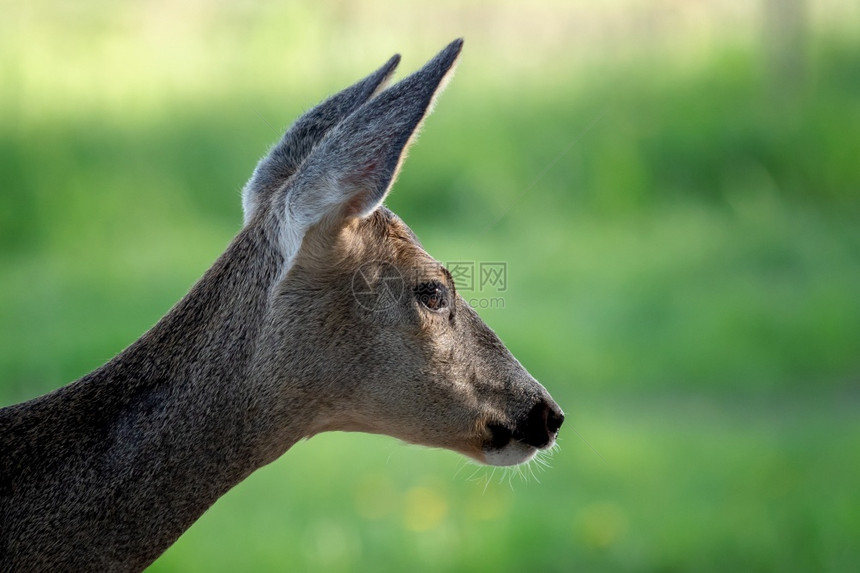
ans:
x=510 y=444
x=540 y=426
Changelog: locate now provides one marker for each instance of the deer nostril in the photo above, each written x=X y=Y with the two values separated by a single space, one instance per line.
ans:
x=540 y=425
x=500 y=436
x=554 y=421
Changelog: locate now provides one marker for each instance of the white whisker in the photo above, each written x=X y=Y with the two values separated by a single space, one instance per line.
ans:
x=463 y=463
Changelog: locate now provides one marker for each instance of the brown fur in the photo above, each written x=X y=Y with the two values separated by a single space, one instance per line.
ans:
x=269 y=347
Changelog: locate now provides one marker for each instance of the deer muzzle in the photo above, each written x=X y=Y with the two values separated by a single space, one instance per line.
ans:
x=518 y=442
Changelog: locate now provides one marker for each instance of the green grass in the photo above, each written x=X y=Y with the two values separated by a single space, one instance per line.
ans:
x=678 y=485
x=683 y=263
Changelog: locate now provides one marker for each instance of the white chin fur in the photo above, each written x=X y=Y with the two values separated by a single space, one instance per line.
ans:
x=512 y=454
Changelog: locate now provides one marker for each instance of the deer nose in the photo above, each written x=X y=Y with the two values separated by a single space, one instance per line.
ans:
x=541 y=425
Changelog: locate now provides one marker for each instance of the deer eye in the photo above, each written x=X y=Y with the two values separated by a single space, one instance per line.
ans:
x=433 y=295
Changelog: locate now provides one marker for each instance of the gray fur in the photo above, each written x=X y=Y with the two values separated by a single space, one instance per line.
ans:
x=266 y=349
x=358 y=160
x=285 y=156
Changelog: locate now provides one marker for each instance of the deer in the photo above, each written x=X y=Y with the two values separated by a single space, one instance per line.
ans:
x=324 y=313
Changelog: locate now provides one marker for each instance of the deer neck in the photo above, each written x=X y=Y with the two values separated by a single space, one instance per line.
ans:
x=142 y=446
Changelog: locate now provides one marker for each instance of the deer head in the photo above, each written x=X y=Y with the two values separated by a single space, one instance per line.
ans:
x=365 y=330
x=325 y=313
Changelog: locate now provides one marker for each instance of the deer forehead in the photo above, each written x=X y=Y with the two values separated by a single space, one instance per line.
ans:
x=381 y=237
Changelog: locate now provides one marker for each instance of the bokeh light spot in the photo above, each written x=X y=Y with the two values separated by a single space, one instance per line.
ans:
x=601 y=524
x=424 y=508
x=375 y=496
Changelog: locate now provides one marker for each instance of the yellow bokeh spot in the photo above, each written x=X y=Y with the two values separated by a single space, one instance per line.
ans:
x=600 y=525
x=424 y=508
x=375 y=496
x=491 y=504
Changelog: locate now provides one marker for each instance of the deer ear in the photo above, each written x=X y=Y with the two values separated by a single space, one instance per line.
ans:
x=285 y=156
x=351 y=170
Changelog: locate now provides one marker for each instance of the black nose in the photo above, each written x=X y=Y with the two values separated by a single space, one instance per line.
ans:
x=541 y=425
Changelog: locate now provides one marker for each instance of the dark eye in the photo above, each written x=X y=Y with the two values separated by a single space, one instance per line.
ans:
x=433 y=295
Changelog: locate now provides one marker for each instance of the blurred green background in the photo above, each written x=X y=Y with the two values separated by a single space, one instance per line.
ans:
x=673 y=185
